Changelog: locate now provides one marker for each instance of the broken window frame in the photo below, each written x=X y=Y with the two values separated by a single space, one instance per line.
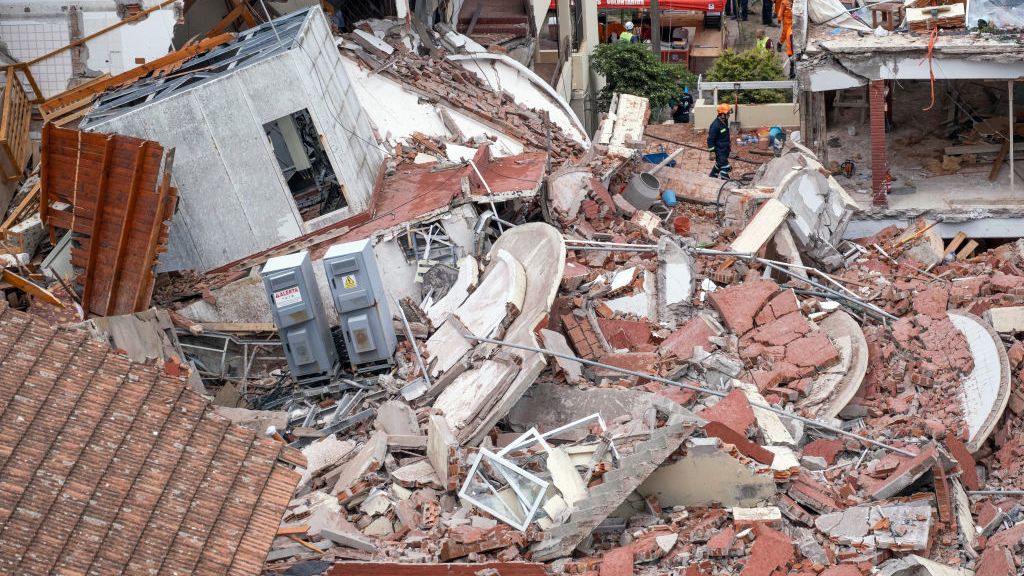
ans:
x=498 y=463
x=523 y=441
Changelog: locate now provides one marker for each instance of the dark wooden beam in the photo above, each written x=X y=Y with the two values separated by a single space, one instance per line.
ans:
x=97 y=223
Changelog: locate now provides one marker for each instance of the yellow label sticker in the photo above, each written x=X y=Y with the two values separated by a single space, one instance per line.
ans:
x=350 y=282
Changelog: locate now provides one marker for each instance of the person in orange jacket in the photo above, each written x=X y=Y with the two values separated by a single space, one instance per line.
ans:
x=720 y=143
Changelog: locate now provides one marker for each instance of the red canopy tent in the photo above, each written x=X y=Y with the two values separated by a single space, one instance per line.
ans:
x=701 y=5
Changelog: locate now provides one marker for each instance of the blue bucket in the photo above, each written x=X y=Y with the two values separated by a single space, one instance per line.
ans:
x=658 y=158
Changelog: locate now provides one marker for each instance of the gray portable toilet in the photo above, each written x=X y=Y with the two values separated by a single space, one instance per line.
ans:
x=362 y=304
x=300 y=318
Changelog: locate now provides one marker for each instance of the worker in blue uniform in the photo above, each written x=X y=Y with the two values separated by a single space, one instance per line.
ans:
x=720 y=144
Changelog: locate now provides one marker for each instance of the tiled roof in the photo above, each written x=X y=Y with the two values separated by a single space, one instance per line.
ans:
x=113 y=467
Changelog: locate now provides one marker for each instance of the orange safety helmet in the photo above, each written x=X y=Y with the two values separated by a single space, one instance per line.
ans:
x=724 y=108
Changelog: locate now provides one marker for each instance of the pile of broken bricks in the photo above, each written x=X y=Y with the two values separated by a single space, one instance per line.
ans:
x=704 y=414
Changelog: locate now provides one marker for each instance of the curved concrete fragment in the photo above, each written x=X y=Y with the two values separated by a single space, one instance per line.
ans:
x=503 y=285
x=984 y=392
x=469 y=275
x=541 y=250
x=461 y=400
x=833 y=390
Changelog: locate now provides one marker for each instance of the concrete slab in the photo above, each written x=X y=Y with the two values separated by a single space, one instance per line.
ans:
x=709 y=477
x=834 y=389
x=772 y=428
x=467 y=280
x=446 y=346
x=761 y=228
x=503 y=286
x=986 y=390
x=642 y=304
x=473 y=391
x=676 y=281
x=564 y=476
x=1006 y=319
x=556 y=342
x=542 y=250
x=441 y=447
x=369 y=459
x=397 y=418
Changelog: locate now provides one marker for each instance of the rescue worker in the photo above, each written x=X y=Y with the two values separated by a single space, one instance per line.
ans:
x=767 y=9
x=763 y=41
x=681 y=108
x=720 y=144
x=628 y=35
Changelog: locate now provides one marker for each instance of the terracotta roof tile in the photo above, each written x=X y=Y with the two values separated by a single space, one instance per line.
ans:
x=109 y=467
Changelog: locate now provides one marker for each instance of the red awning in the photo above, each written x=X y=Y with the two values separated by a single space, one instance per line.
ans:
x=700 y=5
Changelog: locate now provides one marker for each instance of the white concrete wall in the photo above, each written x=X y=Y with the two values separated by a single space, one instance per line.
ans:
x=856 y=70
x=752 y=116
x=233 y=199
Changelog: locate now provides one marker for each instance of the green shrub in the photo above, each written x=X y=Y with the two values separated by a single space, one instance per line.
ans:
x=751 y=65
x=633 y=69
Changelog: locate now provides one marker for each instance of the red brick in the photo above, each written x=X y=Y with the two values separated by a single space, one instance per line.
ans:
x=617 y=562
x=1010 y=538
x=739 y=304
x=782 y=331
x=680 y=396
x=879 y=164
x=1000 y=282
x=574 y=275
x=1016 y=354
x=842 y=570
x=814 y=351
x=908 y=470
x=638 y=361
x=932 y=302
x=771 y=550
x=721 y=543
x=745 y=446
x=625 y=333
x=969 y=472
x=733 y=411
x=681 y=342
x=795 y=512
x=995 y=561
x=782 y=304
x=824 y=448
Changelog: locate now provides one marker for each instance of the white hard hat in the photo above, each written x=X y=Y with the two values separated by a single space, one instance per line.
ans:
x=629 y=25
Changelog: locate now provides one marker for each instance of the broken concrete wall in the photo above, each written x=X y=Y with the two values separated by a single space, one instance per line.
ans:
x=709 y=476
x=397 y=113
x=526 y=87
x=233 y=200
x=821 y=209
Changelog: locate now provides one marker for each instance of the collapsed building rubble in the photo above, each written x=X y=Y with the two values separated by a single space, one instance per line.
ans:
x=429 y=326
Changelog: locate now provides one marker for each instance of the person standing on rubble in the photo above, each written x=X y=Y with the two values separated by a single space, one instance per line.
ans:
x=681 y=107
x=720 y=144
x=628 y=36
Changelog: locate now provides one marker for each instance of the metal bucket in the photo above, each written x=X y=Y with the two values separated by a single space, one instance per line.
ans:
x=643 y=190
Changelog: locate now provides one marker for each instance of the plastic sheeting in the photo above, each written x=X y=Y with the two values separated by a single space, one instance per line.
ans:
x=998 y=13
x=833 y=13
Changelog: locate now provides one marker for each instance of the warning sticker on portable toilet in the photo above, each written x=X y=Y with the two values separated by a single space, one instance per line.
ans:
x=349 y=282
x=287 y=297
